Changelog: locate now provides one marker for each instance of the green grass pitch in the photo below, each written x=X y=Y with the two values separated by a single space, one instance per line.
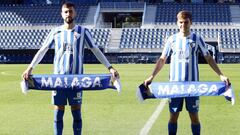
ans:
x=106 y=112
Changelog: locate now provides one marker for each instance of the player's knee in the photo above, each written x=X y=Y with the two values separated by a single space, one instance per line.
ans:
x=59 y=107
x=173 y=117
x=75 y=107
x=195 y=121
x=172 y=120
x=194 y=118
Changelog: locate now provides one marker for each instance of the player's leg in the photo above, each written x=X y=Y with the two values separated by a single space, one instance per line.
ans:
x=192 y=105
x=58 y=119
x=172 y=124
x=195 y=123
x=77 y=119
x=75 y=100
x=175 y=106
x=59 y=100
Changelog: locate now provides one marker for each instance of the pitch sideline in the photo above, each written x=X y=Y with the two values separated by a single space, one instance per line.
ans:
x=7 y=74
x=153 y=118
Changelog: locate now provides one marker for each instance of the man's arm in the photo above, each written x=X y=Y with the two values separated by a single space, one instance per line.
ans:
x=38 y=57
x=159 y=65
x=215 y=67
x=96 y=51
x=161 y=61
x=211 y=61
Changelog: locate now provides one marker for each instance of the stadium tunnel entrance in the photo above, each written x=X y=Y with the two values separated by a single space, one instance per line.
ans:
x=122 y=19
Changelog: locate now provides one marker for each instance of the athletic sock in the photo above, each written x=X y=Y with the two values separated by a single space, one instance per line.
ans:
x=196 y=128
x=172 y=128
x=58 y=122
x=77 y=122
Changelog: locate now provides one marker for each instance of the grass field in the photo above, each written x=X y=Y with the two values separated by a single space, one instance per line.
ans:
x=106 y=112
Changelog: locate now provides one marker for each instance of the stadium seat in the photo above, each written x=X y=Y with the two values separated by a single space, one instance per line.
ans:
x=26 y=15
x=209 y=13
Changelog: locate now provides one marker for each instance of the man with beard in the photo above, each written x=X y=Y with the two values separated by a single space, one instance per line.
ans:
x=68 y=41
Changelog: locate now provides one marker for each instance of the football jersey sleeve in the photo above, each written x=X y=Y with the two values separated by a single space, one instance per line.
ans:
x=89 y=39
x=167 y=47
x=42 y=51
x=202 y=46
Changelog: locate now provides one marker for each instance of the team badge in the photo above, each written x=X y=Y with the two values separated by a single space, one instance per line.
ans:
x=192 y=44
x=76 y=35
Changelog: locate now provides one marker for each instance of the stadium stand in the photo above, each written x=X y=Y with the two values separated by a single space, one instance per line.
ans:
x=23 y=28
x=205 y=12
x=230 y=38
x=101 y=36
x=122 y=5
x=22 y=39
x=130 y=38
x=154 y=38
x=28 y=15
x=142 y=38
x=32 y=38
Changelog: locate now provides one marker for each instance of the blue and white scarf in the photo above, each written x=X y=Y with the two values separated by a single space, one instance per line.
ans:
x=70 y=82
x=185 y=89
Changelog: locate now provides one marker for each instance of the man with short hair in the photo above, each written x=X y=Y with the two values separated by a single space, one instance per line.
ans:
x=183 y=48
x=68 y=41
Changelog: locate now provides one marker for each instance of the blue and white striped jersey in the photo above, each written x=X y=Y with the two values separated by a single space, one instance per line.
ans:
x=184 y=56
x=69 y=49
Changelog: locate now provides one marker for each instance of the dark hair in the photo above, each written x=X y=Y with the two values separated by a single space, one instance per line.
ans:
x=184 y=14
x=68 y=4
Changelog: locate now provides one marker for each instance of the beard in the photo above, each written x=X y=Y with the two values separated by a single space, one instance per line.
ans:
x=69 y=20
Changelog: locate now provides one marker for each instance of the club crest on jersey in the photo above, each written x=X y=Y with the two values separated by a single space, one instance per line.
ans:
x=192 y=44
x=76 y=35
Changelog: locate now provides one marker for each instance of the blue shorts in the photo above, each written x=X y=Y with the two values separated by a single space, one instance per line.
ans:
x=176 y=104
x=60 y=97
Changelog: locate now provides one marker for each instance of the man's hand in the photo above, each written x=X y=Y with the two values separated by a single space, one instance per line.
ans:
x=27 y=73
x=148 y=81
x=225 y=79
x=114 y=73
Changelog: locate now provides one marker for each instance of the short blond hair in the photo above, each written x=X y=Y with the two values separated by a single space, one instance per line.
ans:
x=184 y=15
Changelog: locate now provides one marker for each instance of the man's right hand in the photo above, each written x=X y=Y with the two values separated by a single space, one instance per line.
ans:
x=148 y=81
x=27 y=73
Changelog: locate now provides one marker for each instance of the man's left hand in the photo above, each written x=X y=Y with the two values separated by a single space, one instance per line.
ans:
x=225 y=79
x=114 y=73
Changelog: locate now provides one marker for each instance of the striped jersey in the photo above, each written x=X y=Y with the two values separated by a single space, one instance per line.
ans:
x=69 y=47
x=184 y=56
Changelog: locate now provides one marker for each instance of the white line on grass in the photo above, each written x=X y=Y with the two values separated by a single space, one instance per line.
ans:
x=8 y=74
x=152 y=119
